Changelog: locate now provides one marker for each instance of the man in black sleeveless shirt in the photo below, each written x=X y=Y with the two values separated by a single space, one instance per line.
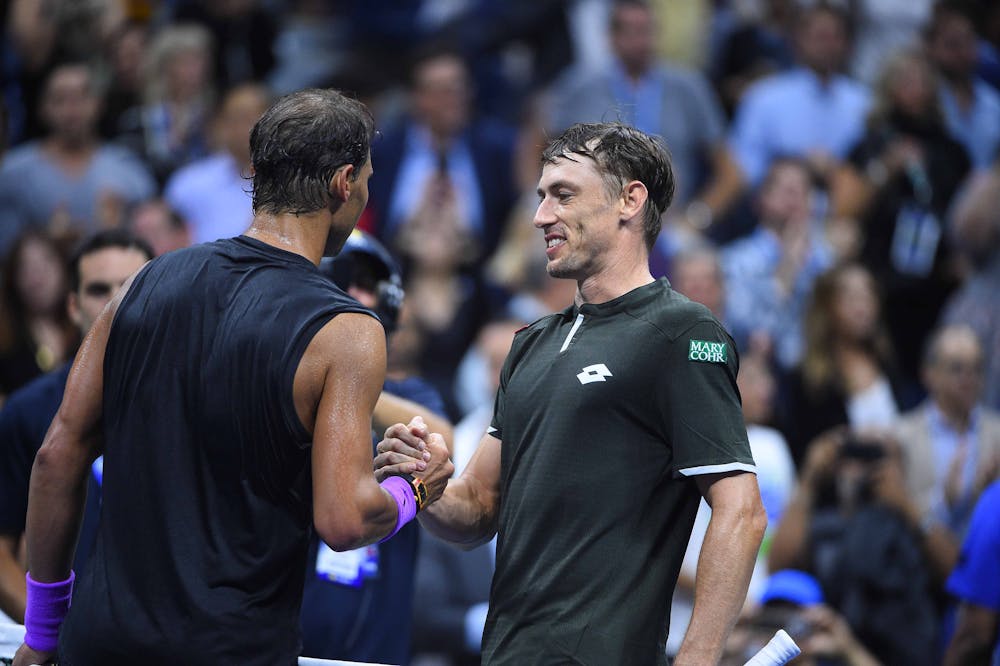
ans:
x=230 y=387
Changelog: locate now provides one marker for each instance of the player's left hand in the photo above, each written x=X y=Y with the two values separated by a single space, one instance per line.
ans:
x=25 y=656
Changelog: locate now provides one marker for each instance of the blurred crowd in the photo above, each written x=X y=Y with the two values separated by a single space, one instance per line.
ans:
x=838 y=209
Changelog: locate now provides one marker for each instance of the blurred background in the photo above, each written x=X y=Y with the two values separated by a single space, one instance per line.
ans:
x=838 y=209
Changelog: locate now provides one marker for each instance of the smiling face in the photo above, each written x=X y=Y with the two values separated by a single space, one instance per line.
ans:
x=578 y=217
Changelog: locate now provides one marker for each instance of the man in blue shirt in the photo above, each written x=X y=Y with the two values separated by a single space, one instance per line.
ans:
x=101 y=264
x=976 y=583
x=812 y=111
x=971 y=107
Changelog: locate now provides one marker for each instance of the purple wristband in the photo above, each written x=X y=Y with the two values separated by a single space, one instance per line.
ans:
x=47 y=606
x=406 y=503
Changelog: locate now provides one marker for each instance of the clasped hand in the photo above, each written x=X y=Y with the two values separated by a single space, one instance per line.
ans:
x=411 y=449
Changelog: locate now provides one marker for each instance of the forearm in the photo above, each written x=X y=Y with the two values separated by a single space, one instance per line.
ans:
x=465 y=515
x=12 y=584
x=56 y=498
x=724 y=568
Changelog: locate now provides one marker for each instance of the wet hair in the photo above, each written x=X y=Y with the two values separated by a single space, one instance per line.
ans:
x=622 y=154
x=119 y=238
x=300 y=142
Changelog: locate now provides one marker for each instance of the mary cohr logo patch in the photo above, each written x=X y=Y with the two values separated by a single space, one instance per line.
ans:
x=706 y=351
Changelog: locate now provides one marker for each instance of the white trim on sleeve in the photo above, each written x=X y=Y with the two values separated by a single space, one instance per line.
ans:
x=718 y=469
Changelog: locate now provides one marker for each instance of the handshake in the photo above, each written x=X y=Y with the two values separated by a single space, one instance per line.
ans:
x=411 y=450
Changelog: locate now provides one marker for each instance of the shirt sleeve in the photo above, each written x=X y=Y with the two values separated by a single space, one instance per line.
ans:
x=975 y=578
x=749 y=139
x=496 y=423
x=700 y=403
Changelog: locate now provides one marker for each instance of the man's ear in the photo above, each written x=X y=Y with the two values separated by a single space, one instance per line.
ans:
x=340 y=183
x=634 y=197
x=73 y=307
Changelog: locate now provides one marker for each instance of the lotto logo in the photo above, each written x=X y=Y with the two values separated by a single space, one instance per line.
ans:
x=594 y=373
x=708 y=352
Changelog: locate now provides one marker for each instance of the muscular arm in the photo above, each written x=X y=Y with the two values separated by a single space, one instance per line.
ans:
x=347 y=360
x=726 y=562
x=58 y=488
x=466 y=514
x=974 y=638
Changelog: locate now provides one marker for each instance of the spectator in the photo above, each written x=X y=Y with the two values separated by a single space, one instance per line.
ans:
x=755 y=44
x=951 y=442
x=443 y=207
x=125 y=51
x=971 y=107
x=36 y=334
x=70 y=180
x=158 y=225
x=899 y=181
x=976 y=585
x=852 y=525
x=661 y=99
x=243 y=31
x=975 y=226
x=812 y=112
x=170 y=128
x=883 y=27
x=212 y=194
x=847 y=374
x=770 y=274
x=446 y=175
x=793 y=600
x=100 y=266
x=697 y=273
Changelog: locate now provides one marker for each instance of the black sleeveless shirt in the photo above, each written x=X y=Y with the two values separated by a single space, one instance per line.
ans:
x=207 y=497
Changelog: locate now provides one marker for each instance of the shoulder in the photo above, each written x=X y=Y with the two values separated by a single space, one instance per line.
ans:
x=22 y=158
x=673 y=315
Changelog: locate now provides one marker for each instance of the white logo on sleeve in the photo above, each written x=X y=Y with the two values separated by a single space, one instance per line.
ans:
x=594 y=373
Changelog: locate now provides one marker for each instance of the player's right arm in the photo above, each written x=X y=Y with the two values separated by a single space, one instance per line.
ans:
x=345 y=365
x=466 y=514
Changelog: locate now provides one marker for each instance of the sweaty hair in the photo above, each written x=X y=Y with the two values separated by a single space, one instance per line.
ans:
x=300 y=142
x=119 y=238
x=622 y=154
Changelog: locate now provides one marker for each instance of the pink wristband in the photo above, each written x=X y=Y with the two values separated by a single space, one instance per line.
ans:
x=47 y=606
x=406 y=503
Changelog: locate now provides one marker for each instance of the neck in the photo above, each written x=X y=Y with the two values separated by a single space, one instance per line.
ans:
x=612 y=282
x=70 y=147
x=957 y=417
x=305 y=234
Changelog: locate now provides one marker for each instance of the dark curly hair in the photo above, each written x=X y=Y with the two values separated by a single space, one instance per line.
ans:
x=300 y=142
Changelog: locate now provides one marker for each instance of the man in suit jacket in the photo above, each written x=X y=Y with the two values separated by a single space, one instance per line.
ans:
x=443 y=164
x=951 y=442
